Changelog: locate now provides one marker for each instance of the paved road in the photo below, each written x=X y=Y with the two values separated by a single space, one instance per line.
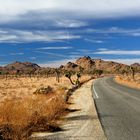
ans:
x=118 y=108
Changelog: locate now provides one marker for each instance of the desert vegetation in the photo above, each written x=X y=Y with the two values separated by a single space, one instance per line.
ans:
x=32 y=104
x=129 y=77
x=33 y=98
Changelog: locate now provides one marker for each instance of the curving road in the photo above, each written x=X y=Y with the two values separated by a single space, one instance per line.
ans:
x=118 y=109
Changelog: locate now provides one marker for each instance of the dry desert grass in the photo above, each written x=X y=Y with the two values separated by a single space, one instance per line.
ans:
x=18 y=88
x=129 y=81
x=22 y=112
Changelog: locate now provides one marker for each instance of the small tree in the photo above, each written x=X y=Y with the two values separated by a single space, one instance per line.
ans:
x=132 y=72
x=78 y=77
x=57 y=75
x=68 y=74
x=98 y=72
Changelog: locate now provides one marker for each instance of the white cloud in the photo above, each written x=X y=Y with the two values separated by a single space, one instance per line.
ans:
x=19 y=36
x=102 y=49
x=57 y=63
x=52 y=54
x=77 y=8
x=33 y=58
x=116 y=30
x=125 y=61
x=17 y=53
x=70 y=23
x=118 y=52
x=55 y=48
x=94 y=41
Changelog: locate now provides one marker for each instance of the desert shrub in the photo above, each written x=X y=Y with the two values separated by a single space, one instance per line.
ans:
x=18 y=119
x=44 y=90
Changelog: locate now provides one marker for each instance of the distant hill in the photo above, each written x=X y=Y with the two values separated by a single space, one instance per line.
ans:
x=20 y=67
x=89 y=64
x=136 y=65
x=85 y=64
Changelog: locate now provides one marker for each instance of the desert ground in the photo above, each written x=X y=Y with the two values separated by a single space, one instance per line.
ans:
x=129 y=81
x=23 y=111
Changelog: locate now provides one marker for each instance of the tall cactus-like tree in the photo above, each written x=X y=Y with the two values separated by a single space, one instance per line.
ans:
x=132 y=72
x=78 y=77
x=68 y=74
x=57 y=75
x=98 y=72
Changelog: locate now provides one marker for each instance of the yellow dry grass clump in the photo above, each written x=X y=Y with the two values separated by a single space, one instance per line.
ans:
x=129 y=81
x=22 y=112
x=18 y=119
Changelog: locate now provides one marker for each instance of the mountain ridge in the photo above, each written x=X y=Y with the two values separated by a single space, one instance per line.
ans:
x=83 y=63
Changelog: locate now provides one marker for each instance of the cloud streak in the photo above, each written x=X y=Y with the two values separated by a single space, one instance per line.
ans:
x=118 y=52
x=17 y=53
x=88 y=8
x=57 y=63
x=94 y=41
x=125 y=61
x=116 y=30
x=19 y=36
x=55 y=48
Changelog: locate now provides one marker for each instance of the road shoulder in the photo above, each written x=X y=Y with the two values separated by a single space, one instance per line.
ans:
x=82 y=123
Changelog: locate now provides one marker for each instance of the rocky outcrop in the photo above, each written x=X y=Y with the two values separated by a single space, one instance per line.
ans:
x=71 y=67
x=85 y=62
x=21 y=67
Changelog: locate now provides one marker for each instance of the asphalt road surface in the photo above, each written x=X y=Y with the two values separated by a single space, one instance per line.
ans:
x=118 y=109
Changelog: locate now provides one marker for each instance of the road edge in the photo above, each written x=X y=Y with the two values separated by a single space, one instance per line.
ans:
x=94 y=102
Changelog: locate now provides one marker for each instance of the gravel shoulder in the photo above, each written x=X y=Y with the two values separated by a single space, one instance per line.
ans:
x=82 y=123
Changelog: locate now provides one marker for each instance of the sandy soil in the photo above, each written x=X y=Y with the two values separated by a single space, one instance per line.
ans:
x=19 y=88
x=82 y=123
x=128 y=81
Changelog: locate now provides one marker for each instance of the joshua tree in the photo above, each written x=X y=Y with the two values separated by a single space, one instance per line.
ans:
x=78 y=76
x=6 y=74
x=57 y=75
x=68 y=75
x=98 y=72
x=48 y=72
x=132 y=72
x=17 y=73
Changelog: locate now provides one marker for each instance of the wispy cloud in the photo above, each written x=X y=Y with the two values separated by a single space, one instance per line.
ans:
x=16 y=53
x=19 y=36
x=78 y=8
x=116 y=30
x=102 y=49
x=33 y=58
x=52 y=54
x=118 y=52
x=65 y=23
x=94 y=41
x=55 y=48
x=125 y=61
x=57 y=63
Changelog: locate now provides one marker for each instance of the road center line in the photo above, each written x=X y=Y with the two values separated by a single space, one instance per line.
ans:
x=96 y=94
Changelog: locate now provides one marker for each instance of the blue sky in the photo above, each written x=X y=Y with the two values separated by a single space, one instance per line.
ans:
x=53 y=32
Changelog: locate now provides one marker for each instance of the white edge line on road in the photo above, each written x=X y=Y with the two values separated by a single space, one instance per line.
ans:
x=96 y=94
